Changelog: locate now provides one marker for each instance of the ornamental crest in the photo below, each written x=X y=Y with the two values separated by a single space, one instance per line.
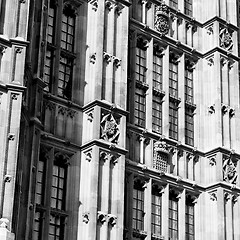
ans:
x=226 y=40
x=229 y=170
x=109 y=128
x=161 y=22
x=160 y=146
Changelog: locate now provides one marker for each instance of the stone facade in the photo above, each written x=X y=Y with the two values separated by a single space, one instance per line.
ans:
x=119 y=120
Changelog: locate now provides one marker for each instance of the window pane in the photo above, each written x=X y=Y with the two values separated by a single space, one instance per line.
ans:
x=139 y=112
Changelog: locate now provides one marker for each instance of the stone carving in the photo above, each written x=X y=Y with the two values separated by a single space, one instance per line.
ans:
x=88 y=155
x=101 y=217
x=11 y=136
x=226 y=40
x=86 y=217
x=212 y=160
x=112 y=220
x=229 y=170
x=161 y=146
x=231 y=112
x=107 y=57
x=213 y=196
x=110 y=128
x=7 y=178
x=93 y=58
x=94 y=5
x=161 y=22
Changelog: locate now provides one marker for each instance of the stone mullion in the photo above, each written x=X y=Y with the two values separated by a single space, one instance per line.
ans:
x=93 y=194
x=225 y=101
x=149 y=79
x=236 y=219
x=91 y=58
x=147 y=209
x=109 y=49
x=165 y=212
x=233 y=96
x=98 y=43
x=198 y=218
x=165 y=104
x=181 y=215
x=228 y=216
x=220 y=215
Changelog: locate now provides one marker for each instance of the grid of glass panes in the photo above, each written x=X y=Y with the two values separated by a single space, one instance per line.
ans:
x=51 y=23
x=157 y=71
x=140 y=65
x=138 y=208
x=37 y=226
x=40 y=182
x=188 y=7
x=189 y=85
x=173 y=3
x=173 y=121
x=156 y=213
x=65 y=77
x=139 y=111
x=189 y=221
x=157 y=114
x=189 y=126
x=173 y=79
x=58 y=187
x=160 y=162
x=48 y=69
x=173 y=217
x=55 y=231
x=68 y=27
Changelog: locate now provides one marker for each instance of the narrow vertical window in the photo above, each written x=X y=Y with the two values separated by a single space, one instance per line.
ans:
x=140 y=110
x=157 y=71
x=189 y=219
x=157 y=114
x=189 y=126
x=188 y=8
x=173 y=121
x=138 y=206
x=189 y=85
x=173 y=3
x=173 y=217
x=156 y=222
x=173 y=79
x=140 y=69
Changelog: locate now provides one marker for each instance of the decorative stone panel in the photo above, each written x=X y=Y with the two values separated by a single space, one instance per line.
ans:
x=229 y=170
x=161 y=22
x=110 y=127
x=226 y=40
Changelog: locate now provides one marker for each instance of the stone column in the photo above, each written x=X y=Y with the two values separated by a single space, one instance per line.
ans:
x=228 y=216
x=236 y=217
x=220 y=215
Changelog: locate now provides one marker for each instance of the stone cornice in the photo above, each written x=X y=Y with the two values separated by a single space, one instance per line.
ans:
x=106 y=105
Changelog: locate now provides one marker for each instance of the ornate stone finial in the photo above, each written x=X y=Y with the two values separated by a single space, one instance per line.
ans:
x=101 y=217
x=112 y=220
x=161 y=22
x=226 y=40
x=229 y=170
x=86 y=217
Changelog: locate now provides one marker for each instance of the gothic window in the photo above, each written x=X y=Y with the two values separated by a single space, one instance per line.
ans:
x=173 y=216
x=60 y=56
x=140 y=64
x=50 y=195
x=157 y=71
x=188 y=85
x=139 y=111
x=138 y=206
x=173 y=121
x=156 y=211
x=157 y=114
x=188 y=7
x=189 y=216
x=173 y=79
x=189 y=126
x=173 y=3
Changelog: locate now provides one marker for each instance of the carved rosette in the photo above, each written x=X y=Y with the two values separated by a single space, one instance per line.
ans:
x=229 y=170
x=161 y=21
x=226 y=40
x=110 y=128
